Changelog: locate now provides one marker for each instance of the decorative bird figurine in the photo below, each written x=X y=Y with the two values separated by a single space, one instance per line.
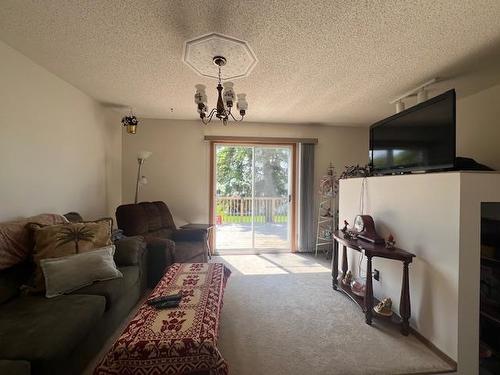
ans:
x=390 y=243
x=344 y=229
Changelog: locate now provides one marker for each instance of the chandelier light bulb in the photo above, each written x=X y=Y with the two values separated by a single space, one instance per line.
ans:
x=229 y=94
x=200 y=95
x=242 y=104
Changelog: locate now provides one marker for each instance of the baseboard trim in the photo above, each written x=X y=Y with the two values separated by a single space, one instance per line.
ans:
x=436 y=350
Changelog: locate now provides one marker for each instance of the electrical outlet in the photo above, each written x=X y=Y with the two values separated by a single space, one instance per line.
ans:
x=376 y=275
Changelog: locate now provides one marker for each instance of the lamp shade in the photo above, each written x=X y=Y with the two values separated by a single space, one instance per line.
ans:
x=228 y=93
x=143 y=155
x=242 y=102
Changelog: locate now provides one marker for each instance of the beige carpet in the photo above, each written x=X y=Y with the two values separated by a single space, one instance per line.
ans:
x=281 y=316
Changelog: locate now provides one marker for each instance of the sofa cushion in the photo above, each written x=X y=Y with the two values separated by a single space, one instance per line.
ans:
x=54 y=241
x=129 y=250
x=37 y=328
x=67 y=274
x=131 y=218
x=152 y=216
x=12 y=278
x=112 y=290
x=16 y=241
x=167 y=221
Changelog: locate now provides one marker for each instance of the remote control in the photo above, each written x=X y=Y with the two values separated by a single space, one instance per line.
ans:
x=173 y=297
x=166 y=304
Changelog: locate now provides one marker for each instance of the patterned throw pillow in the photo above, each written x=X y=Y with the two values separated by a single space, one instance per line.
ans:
x=55 y=241
x=16 y=242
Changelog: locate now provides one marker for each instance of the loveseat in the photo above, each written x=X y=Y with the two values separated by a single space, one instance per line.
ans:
x=166 y=244
x=61 y=335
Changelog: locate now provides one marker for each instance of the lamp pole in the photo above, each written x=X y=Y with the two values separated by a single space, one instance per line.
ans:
x=140 y=162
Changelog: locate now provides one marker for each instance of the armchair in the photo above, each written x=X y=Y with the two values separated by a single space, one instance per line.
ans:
x=165 y=243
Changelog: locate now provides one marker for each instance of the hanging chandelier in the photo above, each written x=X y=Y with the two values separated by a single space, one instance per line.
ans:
x=225 y=100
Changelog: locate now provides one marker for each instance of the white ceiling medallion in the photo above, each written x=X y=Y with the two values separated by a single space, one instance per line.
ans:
x=199 y=54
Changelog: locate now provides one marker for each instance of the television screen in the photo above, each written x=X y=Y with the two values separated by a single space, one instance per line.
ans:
x=421 y=138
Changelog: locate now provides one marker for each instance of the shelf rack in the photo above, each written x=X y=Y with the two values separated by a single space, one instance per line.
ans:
x=327 y=212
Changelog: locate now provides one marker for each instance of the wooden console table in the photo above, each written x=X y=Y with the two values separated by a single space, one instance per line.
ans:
x=372 y=250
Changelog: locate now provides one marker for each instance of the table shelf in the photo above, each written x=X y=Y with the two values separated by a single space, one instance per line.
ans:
x=372 y=250
x=360 y=301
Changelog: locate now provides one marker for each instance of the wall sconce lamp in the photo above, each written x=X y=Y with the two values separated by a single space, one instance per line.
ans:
x=141 y=180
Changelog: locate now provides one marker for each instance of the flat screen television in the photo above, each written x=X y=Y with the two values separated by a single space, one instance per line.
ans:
x=421 y=138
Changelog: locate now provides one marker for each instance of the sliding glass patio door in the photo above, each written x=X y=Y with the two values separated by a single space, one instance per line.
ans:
x=253 y=197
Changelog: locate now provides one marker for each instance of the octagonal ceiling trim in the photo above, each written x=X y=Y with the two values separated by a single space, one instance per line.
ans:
x=199 y=52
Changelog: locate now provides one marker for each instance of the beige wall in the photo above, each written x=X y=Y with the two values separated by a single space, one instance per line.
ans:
x=423 y=213
x=437 y=217
x=60 y=150
x=178 y=170
x=478 y=127
x=113 y=161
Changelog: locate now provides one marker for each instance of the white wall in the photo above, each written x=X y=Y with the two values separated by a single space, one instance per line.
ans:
x=437 y=217
x=478 y=127
x=59 y=148
x=178 y=170
x=423 y=214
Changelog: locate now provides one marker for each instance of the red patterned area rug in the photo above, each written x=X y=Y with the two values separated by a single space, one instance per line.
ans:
x=181 y=340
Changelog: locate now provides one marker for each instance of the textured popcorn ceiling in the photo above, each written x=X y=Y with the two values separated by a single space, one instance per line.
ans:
x=200 y=52
x=331 y=62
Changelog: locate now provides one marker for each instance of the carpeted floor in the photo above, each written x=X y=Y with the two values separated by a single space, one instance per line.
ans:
x=281 y=316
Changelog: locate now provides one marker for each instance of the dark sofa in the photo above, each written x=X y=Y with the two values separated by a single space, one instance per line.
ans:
x=166 y=244
x=62 y=335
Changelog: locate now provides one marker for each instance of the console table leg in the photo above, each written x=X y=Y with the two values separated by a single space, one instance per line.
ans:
x=335 y=265
x=369 y=291
x=404 y=304
x=345 y=266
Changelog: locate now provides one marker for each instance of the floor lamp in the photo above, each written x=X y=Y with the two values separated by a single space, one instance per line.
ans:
x=141 y=157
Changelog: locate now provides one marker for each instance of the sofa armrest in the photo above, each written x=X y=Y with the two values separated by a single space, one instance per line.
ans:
x=190 y=235
x=161 y=254
x=129 y=250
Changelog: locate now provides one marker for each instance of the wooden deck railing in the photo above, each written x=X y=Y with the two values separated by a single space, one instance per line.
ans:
x=239 y=210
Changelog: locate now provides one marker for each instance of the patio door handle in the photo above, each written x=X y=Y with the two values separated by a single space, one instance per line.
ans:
x=289 y=198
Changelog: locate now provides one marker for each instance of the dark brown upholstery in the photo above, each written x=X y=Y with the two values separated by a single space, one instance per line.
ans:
x=167 y=220
x=166 y=244
x=73 y=217
x=152 y=216
x=132 y=219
